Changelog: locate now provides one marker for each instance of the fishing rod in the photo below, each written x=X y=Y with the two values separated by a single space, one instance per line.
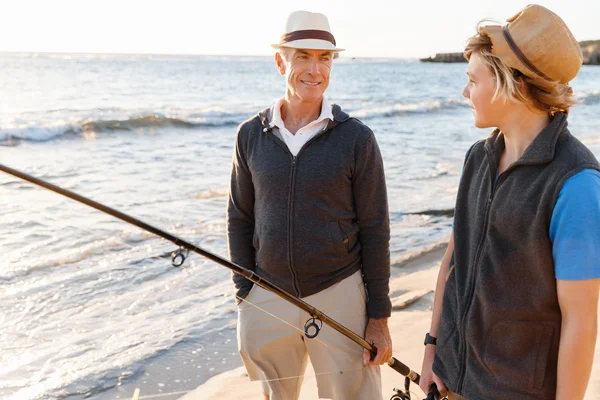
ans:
x=312 y=326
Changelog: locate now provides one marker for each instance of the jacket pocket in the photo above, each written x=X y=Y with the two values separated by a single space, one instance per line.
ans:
x=447 y=360
x=448 y=322
x=255 y=237
x=338 y=238
x=516 y=353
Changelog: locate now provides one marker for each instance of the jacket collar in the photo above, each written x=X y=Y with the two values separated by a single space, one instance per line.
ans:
x=540 y=151
x=339 y=116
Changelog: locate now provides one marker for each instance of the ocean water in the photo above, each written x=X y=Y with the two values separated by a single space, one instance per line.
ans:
x=91 y=307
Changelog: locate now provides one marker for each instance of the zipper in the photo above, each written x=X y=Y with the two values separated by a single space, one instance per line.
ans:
x=295 y=282
x=462 y=326
x=495 y=184
x=290 y=227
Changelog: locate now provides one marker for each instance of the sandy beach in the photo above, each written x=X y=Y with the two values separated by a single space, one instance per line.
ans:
x=411 y=279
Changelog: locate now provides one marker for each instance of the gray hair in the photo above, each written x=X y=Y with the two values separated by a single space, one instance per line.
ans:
x=287 y=52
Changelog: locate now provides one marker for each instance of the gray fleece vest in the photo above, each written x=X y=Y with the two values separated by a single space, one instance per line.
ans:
x=500 y=330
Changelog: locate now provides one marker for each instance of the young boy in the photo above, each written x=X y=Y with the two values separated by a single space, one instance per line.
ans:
x=516 y=305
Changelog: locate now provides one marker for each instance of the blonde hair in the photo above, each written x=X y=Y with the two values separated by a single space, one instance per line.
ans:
x=547 y=96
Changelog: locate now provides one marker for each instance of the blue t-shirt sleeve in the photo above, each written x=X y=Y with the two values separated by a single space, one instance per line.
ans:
x=575 y=228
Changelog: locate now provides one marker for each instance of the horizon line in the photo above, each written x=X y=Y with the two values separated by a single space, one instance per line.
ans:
x=198 y=54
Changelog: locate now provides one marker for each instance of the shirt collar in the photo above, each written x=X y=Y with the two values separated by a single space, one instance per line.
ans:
x=326 y=112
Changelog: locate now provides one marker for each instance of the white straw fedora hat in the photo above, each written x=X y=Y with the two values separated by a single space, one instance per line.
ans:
x=306 y=30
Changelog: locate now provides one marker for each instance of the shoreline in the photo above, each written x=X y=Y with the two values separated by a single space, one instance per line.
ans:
x=415 y=277
x=171 y=375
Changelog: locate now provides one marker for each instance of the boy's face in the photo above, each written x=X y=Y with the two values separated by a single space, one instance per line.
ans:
x=480 y=91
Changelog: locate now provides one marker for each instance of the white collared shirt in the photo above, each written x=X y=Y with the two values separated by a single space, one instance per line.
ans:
x=304 y=134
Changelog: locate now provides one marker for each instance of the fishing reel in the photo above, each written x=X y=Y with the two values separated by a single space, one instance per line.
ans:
x=405 y=395
x=402 y=395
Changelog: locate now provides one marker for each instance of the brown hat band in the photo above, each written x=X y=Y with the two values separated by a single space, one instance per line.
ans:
x=520 y=55
x=307 y=34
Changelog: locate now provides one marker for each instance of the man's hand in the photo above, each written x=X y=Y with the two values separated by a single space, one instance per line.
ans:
x=378 y=334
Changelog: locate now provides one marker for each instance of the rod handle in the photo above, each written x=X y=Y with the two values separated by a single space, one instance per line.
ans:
x=403 y=369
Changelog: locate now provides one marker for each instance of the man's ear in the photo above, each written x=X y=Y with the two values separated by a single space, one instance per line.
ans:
x=280 y=63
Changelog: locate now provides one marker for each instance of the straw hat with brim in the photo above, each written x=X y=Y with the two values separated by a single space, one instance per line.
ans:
x=306 y=30
x=538 y=43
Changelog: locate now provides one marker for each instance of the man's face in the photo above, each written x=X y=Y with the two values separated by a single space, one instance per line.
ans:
x=307 y=72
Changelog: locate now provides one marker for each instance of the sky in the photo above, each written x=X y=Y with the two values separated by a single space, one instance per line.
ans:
x=366 y=28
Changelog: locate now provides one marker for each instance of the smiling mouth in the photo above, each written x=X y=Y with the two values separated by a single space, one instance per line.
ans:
x=311 y=83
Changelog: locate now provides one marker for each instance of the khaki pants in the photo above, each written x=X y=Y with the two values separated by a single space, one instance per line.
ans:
x=454 y=396
x=273 y=347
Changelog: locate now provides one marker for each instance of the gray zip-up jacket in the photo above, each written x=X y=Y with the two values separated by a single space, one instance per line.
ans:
x=306 y=222
x=500 y=330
